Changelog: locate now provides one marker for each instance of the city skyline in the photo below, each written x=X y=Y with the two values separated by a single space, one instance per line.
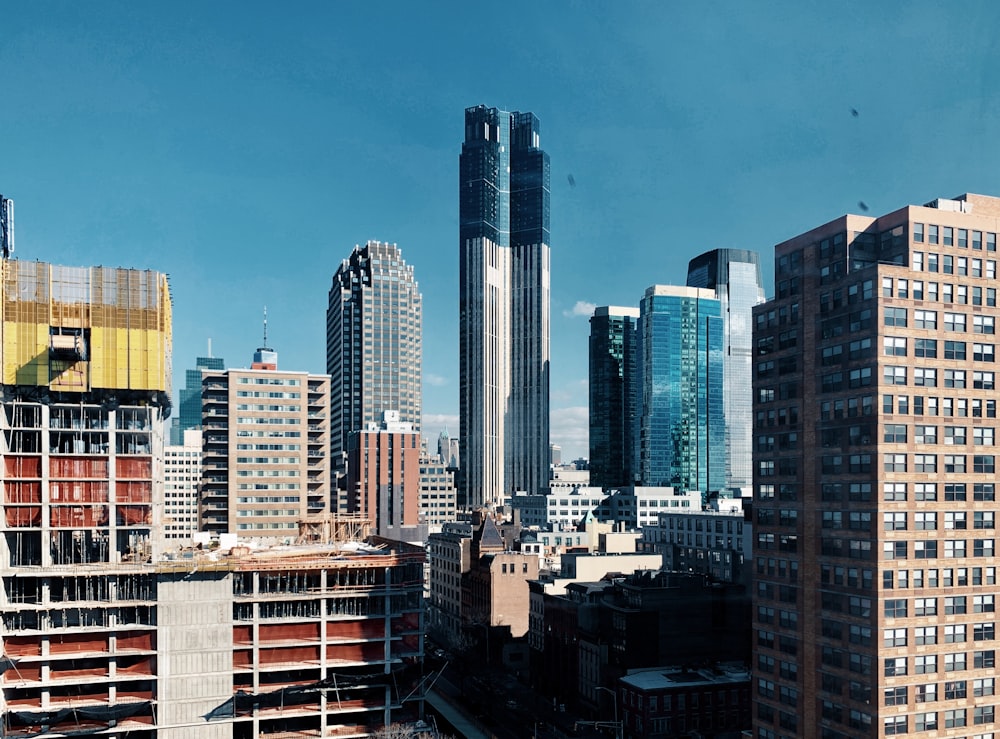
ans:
x=238 y=149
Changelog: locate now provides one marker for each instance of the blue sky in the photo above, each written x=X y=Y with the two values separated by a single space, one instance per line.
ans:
x=245 y=148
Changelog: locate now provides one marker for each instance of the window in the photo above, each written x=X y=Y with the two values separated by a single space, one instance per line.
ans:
x=925 y=721
x=954 y=322
x=932 y=234
x=894 y=463
x=954 y=378
x=894 y=491
x=894 y=433
x=983 y=686
x=983 y=436
x=896 y=696
x=954 y=718
x=895 y=666
x=895 y=608
x=924 y=663
x=983 y=715
x=925 y=491
x=954 y=633
x=984 y=659
x=924 y=463
x=954 y=350
x=983 y=463
x=983 y=380
x=921 y=347
x=954 y=605
x=983 y=352
x=925 y=434
x=954 y=463
x=983 y=491
x=923 y=606
x=895 y=317
x=921 y=635
x=983 y=604
x=894 y=521
x=983 y=325
x=924 y=520
x=925 y=319
x=926 y=377
x=954 y=434
x=895 y=725
x=954 y=662
x=954 y=520
x=895 y=346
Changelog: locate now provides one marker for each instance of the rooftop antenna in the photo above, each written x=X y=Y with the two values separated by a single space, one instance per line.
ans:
x=209 y=347
x=265 y=326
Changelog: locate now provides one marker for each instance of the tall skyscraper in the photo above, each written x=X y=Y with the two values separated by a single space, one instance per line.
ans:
x=875 y=477
x=189 y=407
x=503 y=306
x=734 y=275
x=681 y=425
x=613 y=396
x=373 y=343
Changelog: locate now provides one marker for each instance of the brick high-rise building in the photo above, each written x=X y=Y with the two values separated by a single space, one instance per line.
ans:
x=875 y=477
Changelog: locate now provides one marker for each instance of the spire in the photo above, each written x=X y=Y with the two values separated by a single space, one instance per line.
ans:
x=265 y=358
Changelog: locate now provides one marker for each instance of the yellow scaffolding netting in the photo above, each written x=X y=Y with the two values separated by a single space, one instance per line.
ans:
x=74 y=329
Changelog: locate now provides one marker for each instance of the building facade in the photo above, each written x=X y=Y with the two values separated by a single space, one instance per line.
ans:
x=265 y=463
x=383 y=478
x=374 y=322
x=875 y=477
x=682 y=420
x=613 y=396
x=734 y=275
x=504 y=289
x=437 y=492
x=182 y=476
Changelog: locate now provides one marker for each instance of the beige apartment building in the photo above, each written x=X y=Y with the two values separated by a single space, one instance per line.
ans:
x=875 y=477
x=266 y=461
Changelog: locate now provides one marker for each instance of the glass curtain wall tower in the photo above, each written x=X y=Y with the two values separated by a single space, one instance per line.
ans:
x=612 y=396
x=373 y=343
x=682 y=424
x=734 y=275
x=503 y=306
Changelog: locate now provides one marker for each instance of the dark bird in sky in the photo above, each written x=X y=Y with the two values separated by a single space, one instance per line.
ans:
x=571 y=180
x=863 y=205
x=854 y=112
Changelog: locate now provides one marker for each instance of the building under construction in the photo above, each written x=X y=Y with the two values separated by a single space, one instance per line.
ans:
x=102 y=633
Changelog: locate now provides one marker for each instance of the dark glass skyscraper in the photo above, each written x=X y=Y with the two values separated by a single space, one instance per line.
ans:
x=735 y=276
x=682 y=426
x=503 y=306
x=374 y=353
x=612 y=396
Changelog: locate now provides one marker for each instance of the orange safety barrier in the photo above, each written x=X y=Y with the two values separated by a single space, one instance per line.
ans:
x=133 y=469
x=139 y=694
x=23 y=672
x=356 y=652
x=68 y=643
x=23 y=492
x=242 y=634
x=22 y=646
x=23 y=466
x=282 y=632
x=133 y=492
x=366 y=629
x=23 y=517
x=134 y=640
x=77 y=467
x=78 y=491
x=141 y=667
x=61 y=674
x=78 y=697
x=242 y=658
x=281 y=655
x=78 y=516
x=133 y=514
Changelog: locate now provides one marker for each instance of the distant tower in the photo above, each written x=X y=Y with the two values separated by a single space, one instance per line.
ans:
x=374 y=355
x=6 y=227
x=503 y=306
x=189 y=407
x=612 y=396
x=734 y=275
x=265 y=358
x=682 y=426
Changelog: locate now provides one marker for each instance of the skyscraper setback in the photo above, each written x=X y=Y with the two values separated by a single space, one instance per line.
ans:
x=503 y=305
x=875 y=477
x=373 y=343
x=734 y=275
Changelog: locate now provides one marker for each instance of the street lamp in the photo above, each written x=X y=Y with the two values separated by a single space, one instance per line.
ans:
x=614 y=699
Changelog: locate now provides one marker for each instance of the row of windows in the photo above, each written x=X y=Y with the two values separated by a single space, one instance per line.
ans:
x=922 y=520
x=949 y=606
x=929 y=663
x=933 y=406
x=932 y=549
x=896 y=725
x=897 y=433
x=947 y=234
x=946 y=292
x=897 y=346
x=949 y=463
x=950 y=634
x=932 y=578
x=952 y=265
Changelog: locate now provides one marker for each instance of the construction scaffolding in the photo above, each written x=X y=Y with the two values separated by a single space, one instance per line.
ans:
x=77 y=329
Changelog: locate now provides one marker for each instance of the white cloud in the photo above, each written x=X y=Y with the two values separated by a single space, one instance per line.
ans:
x=570 y=429
x=582 y=308
x=436 y=380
